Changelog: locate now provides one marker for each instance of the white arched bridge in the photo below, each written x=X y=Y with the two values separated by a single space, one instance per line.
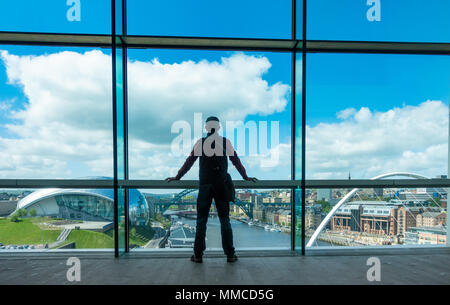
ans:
x=326 y=220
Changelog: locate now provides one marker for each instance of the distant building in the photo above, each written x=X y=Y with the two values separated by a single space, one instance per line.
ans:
x=259 y=213
x=270 y=214
x=84 y=204
x=324 y=194
x=272 y=200
x=313 y=216
x=419 y=195
x=375 y=217
x=256 y=199
x=284 y=217
x=431 y=219
x=333 y=201
x=4 y=196
x=244 y=196
x=235 y=209
x=407 y=218
x=378 y=192
x=436 y=235
x=411 y=237
x=7 y=207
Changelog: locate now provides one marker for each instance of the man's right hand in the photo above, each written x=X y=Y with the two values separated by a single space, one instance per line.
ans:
x=252 y=179
x=170 y=179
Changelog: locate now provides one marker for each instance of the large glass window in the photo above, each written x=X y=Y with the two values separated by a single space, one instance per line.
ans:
x=176 y=91
x=368 y=115
x=260 y=219
x=375 y=217
x=171 y=93
x=55 y=109
x=53 y=218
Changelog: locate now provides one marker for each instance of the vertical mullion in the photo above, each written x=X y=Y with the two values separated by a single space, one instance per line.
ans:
x=293 y=93
x=119 y=106
x=303 y=123
x=114 y=111
x=448 y=173
x=125 y=119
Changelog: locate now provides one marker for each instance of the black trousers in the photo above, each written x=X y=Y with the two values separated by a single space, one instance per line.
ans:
x=206 y=193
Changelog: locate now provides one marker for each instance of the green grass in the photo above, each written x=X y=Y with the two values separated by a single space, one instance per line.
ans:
x=137 y=241
x=132 y=240
x=142 y=235
x=25 y=232
x=89 y=239
x=145 y=234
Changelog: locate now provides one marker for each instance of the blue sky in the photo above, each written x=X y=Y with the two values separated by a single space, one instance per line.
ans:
x=400 y=20
x=377 y=81
x=335 y=82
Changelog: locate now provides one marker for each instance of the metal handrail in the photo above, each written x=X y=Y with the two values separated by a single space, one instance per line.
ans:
x=240 y=184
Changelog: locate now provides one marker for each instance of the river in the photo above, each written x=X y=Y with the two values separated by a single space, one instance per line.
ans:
x=244 y=236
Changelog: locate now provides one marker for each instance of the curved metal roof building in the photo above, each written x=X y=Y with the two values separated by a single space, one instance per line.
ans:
x=84 y=204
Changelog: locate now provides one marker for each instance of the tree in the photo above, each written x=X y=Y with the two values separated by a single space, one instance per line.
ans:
x=434 y=202
x=32 y=212
x=21 y=213
x=326 y=207
x=14 y=218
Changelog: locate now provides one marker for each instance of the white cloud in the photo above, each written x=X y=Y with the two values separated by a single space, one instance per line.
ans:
x=5 y=105
x=346 y=113
x=65 y=129
x=368 y=143
x=230 y=89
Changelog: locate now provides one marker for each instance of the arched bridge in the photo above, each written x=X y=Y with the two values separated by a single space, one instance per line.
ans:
x=246 y=207
x=349 y=195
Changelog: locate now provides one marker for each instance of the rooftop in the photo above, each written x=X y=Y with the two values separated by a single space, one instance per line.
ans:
x=431 y=214
x=434 y=229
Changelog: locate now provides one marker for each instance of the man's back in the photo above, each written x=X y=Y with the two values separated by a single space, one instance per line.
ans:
x=213 y=151
x=214 y=165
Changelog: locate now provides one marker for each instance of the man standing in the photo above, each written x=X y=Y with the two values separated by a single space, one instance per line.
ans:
x=213 y=151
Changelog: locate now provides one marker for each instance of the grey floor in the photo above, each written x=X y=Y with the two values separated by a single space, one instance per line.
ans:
x=284 y=269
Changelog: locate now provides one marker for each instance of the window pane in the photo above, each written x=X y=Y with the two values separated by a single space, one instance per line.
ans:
x=171 y=93
x=368 y=115
x=55 y=109
x=260 y=219
x=376 y=217
x=379 y=20
x=56 y=219
x=56 y=113
x=249 y=19
x=75 y=16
